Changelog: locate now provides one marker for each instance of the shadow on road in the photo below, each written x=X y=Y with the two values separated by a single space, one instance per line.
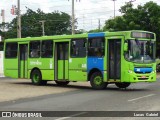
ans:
x=81 y=87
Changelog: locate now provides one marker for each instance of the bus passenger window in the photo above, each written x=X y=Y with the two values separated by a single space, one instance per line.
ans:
x=96 y=47
x=78 y=47
x=11 y=50
x=35 y=49
x=47 y=49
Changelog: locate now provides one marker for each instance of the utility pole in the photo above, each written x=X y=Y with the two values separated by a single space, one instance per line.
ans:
x=3 y=20
x=18 y=20
x=99 y=24
x=114 y=8
x=73 y=26
x=73 y=18
x=43 y=21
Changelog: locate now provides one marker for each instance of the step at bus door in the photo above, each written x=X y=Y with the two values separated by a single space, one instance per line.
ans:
x=61 y=60
x=22 y=62
x=114 y=58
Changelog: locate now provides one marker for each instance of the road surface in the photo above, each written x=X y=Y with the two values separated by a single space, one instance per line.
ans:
x=138 y=97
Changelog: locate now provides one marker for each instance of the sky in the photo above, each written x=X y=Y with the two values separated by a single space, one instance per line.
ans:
x=88 y=12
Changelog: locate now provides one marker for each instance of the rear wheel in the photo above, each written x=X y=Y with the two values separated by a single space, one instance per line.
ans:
x=36 y=78
x=97 y=82
x=62 y=83
x=122 y=85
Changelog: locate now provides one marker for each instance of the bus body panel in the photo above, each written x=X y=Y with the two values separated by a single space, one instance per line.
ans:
x=45 y=65
x=95 y=63
x=77 y=69
x=11 y=68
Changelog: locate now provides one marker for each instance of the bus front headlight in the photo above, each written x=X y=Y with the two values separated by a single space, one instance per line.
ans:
x=130 y=71
x=154 y=71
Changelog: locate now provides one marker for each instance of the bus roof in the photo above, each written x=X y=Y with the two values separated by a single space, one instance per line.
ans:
x=84 y=35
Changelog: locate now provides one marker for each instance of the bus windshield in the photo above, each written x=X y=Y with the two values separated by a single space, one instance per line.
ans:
x=141 y=51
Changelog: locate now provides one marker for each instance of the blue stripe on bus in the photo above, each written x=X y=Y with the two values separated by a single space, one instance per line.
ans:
x=143 y=70
x=95 y=62
x=91 y=35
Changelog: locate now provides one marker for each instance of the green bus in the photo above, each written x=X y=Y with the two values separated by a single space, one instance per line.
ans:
x=119 y=58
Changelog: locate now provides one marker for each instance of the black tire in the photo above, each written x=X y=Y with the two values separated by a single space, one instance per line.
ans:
x=97 y=82
x=36 y=78
x=62 y=83
x=123 y=84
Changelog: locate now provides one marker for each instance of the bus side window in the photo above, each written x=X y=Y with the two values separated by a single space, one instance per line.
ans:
x=47 y=49
x=96 y=47
x=78 y=47
x=34 y=49
x=11 y=50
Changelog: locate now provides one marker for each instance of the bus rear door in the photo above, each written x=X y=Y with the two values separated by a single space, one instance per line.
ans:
x=61 y=60
x=22 y=61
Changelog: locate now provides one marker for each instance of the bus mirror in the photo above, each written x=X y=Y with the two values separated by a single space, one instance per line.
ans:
x=125 y=46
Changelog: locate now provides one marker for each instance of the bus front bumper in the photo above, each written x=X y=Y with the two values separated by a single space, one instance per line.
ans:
x=133 y=77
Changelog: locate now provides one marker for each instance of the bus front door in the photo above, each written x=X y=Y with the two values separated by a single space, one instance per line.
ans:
x=22 y=62
x=114 y=59
x=61 y=60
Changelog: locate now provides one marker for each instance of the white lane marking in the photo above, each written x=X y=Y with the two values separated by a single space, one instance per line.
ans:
x=63 y=118
x=141 y=97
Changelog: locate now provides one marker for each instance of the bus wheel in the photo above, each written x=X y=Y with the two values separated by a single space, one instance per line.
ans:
x=96 y=81
x=122 y=85
x=62 y=83
x=37 y=78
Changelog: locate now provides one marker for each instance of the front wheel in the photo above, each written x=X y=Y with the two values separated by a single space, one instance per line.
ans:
x=122 y=85
x=36 y=78
x=97 y=82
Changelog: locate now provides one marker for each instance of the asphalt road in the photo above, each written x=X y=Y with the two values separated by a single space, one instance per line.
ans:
x=138 y=97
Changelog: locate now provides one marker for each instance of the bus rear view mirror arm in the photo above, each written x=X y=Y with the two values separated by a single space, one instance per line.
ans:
x=125 y=46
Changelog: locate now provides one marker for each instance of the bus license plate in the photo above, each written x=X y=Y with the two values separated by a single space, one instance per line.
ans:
x=143 y=77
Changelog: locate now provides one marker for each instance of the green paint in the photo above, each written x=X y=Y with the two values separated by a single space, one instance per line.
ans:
x=66 y=69
x=60 y=69
x=22 y=72
x=98 y=80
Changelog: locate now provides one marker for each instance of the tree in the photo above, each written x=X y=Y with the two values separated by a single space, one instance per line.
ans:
x=56 y=23
x=146 y=17
x=95 y=30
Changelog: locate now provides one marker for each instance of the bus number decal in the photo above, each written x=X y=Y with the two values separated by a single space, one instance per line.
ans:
x=83 y=65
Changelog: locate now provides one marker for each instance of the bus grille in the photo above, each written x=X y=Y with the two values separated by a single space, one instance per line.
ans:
x=142 y=72
x=142 y=78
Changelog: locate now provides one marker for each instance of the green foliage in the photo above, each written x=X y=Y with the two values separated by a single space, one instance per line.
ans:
x=95 y=30
x=146 y=17
x=56 y=23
